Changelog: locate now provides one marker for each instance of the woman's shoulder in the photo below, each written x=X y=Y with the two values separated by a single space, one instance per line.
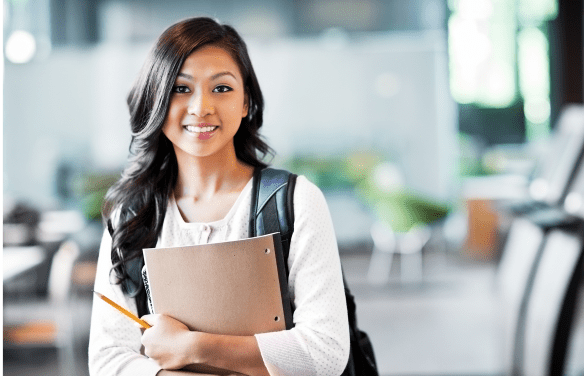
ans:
x=308 y=194
x=303 y=184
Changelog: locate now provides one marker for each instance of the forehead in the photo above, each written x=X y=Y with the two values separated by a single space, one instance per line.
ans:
x=208 y=61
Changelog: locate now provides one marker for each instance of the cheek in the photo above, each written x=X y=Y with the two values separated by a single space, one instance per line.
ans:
x=165 y=127
x=170 y=129
x=174 y=113
x=173 y=119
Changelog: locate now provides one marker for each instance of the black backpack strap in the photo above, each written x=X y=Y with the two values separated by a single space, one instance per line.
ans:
x=272 y=212
x=272 y=208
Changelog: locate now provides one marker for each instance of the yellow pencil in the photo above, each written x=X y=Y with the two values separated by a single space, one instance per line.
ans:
x=144 y=324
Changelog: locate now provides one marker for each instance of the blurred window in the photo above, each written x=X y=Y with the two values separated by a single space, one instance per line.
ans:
x=500 y=59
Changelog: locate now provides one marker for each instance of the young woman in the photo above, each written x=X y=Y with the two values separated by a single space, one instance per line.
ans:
x=196 y=109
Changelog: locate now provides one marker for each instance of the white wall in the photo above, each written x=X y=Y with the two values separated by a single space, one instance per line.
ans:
x=68 y=107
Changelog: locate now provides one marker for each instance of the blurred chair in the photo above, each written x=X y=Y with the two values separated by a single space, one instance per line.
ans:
x=537 y=272
x=521 y=253
x=47 y=323
x=387 y=243
x=403 y=223
x=535 y=277
x=550 y=308
x=551 y=303
x=556 y=167
x=574 y=363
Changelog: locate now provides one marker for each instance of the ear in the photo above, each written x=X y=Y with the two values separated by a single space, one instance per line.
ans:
x=245 y=105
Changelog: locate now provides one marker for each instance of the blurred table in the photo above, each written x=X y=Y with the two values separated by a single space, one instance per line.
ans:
x=484 y=220
x=17 y=260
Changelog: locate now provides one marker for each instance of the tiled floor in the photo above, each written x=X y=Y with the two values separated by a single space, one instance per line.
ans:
x=446 y=325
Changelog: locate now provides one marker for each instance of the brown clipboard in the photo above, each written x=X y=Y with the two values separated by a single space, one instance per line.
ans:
x=235 y=287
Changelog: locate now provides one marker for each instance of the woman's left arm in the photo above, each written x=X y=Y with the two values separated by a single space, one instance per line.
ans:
x=319 y=342
x=173 y=346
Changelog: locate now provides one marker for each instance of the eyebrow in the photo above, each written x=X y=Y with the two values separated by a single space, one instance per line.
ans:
x=213 y=77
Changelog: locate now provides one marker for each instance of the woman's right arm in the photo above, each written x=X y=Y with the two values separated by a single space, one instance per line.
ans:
x=165 y=372
x=114 y=341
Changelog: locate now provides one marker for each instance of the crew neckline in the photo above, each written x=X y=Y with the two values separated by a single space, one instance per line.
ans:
x=215 y=224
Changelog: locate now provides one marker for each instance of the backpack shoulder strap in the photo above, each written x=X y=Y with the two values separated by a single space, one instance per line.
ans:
x=272 y=206
x=272 y=211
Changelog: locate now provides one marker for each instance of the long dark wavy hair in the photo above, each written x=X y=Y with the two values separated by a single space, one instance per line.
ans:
x=136 y=204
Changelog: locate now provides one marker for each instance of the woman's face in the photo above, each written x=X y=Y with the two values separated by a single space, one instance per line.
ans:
x=207 y=104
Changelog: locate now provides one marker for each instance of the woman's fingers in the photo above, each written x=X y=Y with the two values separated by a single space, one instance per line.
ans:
x=166 y=341
x=150 y=319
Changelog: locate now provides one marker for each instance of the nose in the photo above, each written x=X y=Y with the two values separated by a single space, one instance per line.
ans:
x=200 y=105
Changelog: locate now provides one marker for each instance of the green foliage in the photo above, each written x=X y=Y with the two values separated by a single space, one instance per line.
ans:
x=93 y=188
x=338 y=172
x=401 y=209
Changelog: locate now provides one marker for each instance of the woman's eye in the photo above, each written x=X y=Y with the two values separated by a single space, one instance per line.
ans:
x=222 y=89
x=180 y=89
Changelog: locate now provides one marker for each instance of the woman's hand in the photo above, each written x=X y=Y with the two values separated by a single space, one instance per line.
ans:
x=169 y=342
x=165 y=372
x=173 y=346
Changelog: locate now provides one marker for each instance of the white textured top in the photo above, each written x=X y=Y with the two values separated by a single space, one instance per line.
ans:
x=319 y=342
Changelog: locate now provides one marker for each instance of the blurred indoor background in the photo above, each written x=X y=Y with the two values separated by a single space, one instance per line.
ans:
x=447 y=136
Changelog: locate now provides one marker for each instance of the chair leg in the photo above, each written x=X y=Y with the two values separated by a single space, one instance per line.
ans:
x=67 y=360
x=410 y=248
x=66 y=351
x=411 y=267
x=384 y=246
x=379 y=267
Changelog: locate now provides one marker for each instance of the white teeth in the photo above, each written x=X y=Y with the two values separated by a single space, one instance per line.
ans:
x=194 y=129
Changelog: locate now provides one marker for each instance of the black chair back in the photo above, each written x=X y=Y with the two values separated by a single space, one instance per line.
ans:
x=514 y=280
x=550 y=304
x=574 y=365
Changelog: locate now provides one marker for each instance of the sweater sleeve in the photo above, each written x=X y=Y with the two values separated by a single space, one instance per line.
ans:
x=319 y=342
x=114 y=341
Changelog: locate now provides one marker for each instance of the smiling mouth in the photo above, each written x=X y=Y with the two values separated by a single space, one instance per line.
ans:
x=194 y=129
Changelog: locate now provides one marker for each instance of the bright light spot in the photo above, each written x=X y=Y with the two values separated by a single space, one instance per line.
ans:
x=538 y=189
x=534 y=80
x=538 y=10
x=481 y=47
x=537 y=110
x=499 y=87
x=533 y=62
x=573 y=202
x=388 y=177
x=469 y=41
x=387 y=85
x=476 y=9
x=20 y=47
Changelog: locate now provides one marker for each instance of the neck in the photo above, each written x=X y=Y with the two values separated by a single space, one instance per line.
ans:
x=200 y=178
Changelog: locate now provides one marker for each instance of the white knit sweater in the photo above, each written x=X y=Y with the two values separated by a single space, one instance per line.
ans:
x=319 y=342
